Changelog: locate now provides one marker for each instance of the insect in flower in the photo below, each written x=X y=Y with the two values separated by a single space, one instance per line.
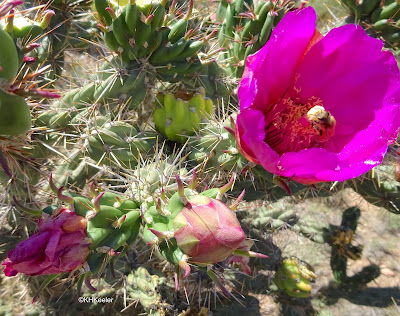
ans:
x=322 y=121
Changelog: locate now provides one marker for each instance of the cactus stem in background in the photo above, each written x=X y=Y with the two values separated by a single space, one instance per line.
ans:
x=43 y=286
x=238 y=200
x=132 y=2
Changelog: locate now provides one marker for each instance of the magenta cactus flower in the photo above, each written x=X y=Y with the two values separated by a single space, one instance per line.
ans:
x=59 y=246
x=318 y=108
x=207 y=230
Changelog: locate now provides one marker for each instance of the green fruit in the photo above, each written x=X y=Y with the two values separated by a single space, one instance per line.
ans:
x=15 y=116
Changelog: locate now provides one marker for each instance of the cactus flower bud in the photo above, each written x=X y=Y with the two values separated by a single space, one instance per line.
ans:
x=207 y=230
x=59 y=246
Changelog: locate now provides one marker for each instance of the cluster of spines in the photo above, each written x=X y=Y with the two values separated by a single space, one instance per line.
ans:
x=119 y=144
x=181 y=115
x=381 y=189
x=77 y=104
x=379 y=18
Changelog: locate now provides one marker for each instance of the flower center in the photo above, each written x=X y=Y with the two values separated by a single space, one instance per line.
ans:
x=291 y=126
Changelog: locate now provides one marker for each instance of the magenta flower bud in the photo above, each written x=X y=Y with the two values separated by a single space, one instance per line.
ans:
x=60 y=245
x=30 y=47
x=207 y=230
x=318 y=108
x=28 y=59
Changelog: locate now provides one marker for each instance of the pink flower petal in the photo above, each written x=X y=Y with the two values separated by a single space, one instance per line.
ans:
x=303 y=165
x=51 y=250
x=276 y=62
x=251 y=126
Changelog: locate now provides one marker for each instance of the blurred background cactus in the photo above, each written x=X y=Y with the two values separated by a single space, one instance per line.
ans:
x=129 y=107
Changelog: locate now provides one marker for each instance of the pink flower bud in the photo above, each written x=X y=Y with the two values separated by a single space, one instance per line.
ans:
x=207 y=230
x=59 y=246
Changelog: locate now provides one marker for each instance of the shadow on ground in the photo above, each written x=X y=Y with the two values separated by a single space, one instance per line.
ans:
x=369 y=296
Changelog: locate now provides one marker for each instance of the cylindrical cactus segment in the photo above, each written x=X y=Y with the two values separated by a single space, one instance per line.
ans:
x=8 y=57
x=15 y=115
x=215 y=145
x=294 y=276
x=143 y=287
x=119 y=143
x=180 y=116
x=382 y=190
